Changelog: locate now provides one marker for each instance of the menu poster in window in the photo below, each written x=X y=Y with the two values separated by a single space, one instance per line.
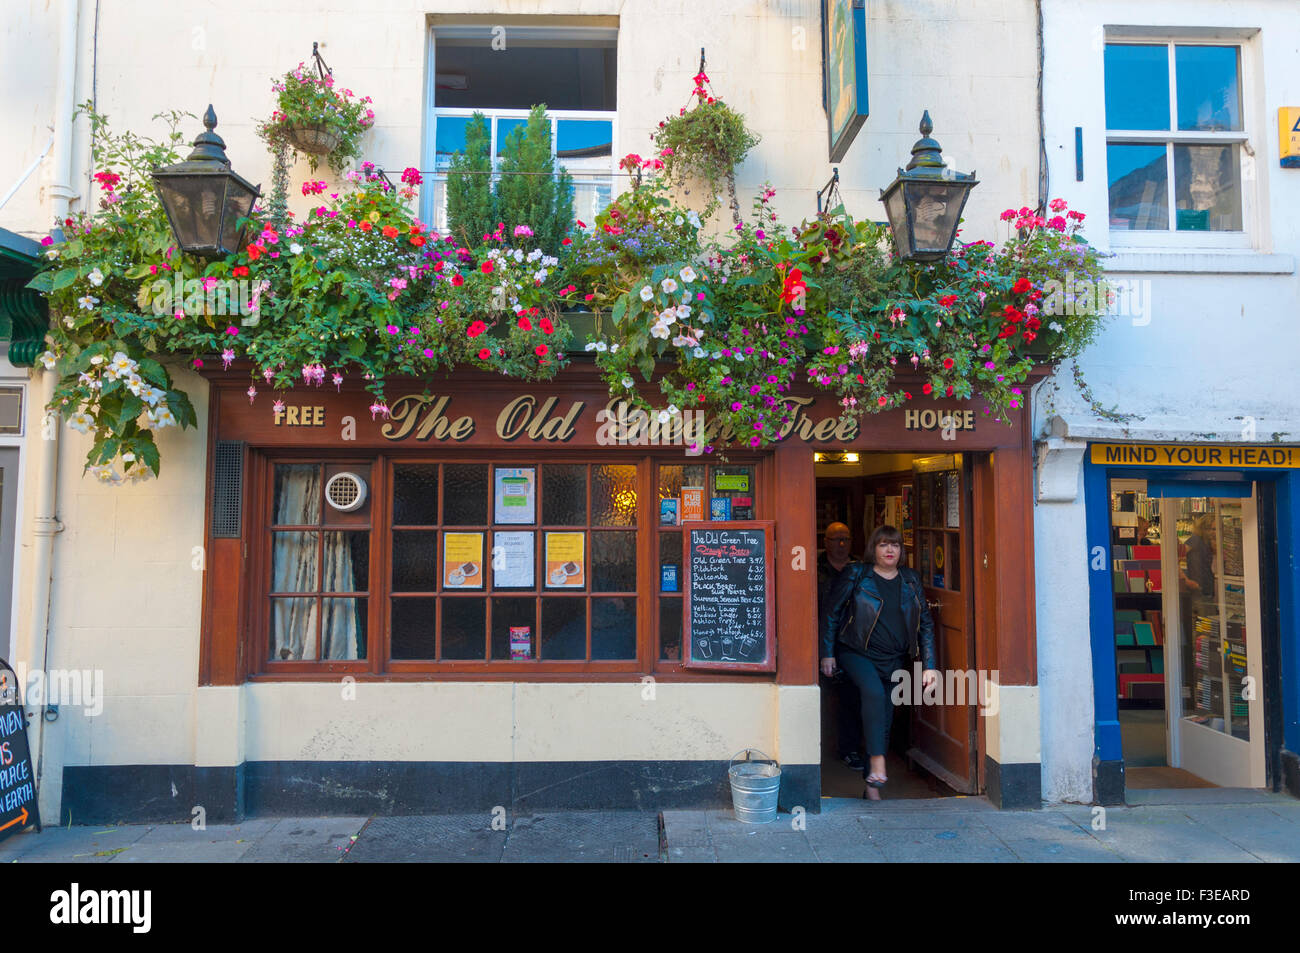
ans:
x=728 y=620
x=521 y=642
x=951 y=478
x=17 y=783
x=566 y=560
x=515 y=495
x=462 y=560
x=512 y=559
x=692 y=504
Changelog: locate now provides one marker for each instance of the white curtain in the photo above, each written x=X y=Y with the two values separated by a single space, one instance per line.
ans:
x=294 y=623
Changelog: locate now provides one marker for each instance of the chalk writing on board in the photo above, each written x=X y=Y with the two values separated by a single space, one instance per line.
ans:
x=728 y=595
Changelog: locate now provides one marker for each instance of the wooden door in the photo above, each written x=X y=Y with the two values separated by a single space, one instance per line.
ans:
x=943 y=738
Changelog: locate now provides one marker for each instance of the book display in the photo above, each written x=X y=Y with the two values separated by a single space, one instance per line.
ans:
x=1137 y=594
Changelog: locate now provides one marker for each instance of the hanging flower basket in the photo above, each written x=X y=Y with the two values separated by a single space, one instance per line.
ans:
x=316 y=138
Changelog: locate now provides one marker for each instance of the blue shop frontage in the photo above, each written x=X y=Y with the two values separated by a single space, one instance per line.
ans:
x=1193 y=608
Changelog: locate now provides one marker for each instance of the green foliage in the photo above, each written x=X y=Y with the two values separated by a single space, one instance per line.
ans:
x=471 y=207
x=529 y=192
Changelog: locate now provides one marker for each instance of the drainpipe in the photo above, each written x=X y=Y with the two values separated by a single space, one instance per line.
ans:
x=45 y=522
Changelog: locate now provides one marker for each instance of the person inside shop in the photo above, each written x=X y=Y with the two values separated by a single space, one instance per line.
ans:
x=875 y=621
x=1197 y=577
x=1144 y=531
x=836 y=559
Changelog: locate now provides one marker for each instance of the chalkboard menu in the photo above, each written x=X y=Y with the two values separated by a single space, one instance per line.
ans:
x=728 y=615
x=17 y=782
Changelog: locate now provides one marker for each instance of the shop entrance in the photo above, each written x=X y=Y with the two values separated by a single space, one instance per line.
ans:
x=927 y=497
x=1188 y=646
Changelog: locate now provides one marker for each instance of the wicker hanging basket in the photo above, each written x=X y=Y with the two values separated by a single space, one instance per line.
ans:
x=314 y=138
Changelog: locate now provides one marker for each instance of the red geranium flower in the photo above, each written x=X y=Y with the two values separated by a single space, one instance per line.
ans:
x=525 y=324
x=255 y=252
x=1021 y=286
x=366 y=226
x=948 y=300
x=484 y=354
x=947 y=363
x=547 y=327
x=487 y=267
x=926 y=388
x=417 y=240
x=475 y=329
x=541 y=350
x=239 y=271
x=390 y=231
x=457 y=280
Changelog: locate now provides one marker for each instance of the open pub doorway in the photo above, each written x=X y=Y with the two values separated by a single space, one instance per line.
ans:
x=932 y=749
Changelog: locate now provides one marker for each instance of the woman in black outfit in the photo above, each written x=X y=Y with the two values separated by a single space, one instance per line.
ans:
x=875 y=621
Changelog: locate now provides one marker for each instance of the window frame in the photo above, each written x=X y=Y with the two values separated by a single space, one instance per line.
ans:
x=433 y=192
x=256 y=641
x=1172 y=238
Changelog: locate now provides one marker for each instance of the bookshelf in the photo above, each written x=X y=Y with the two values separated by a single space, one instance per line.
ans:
x=1137 y=594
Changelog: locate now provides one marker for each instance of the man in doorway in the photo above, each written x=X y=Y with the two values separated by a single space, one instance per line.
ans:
x=837 y=558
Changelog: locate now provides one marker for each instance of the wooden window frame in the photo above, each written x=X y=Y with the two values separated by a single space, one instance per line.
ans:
x=378 y=665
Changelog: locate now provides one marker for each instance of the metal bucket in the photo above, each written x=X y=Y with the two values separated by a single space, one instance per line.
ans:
x=754 y=787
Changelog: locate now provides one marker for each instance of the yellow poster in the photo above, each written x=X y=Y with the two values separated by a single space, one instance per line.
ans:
x=566 y=560
x=462 y=560
x=692 y=504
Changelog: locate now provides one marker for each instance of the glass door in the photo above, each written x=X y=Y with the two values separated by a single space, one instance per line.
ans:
x=1215 y=707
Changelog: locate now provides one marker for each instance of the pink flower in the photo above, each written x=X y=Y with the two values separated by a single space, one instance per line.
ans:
x=251 y=392
x=277 y=407
x=232 y=330
x=197 y=363
x=378 y=407
x=338 y=381
x=227 y=357
x=1057 y=205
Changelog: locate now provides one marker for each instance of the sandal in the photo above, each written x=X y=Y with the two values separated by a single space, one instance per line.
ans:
x=875 y=781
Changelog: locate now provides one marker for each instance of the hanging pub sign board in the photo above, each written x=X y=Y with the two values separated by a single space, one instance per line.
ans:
x=17 y=780
x=728 y=615
x=844 y=71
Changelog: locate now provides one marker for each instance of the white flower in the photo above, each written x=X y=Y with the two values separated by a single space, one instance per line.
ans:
x=683 y=340
x=122 y=364
x=647 y=293
x=673 y=410
x=669 y=285
x=678 y=220
x=737 y=355
x=104 y=473
x=96 y=277
x=591 y=346
x=705 y=317
x=602 y=346
x=683 y=311
x=663 y=416
x=716 y=355
x=699 y=352
x=668 y=316
x=295 y=249
x=87 y=302
x=627 y=382
x=81 y=422
x=1054 y=326
x=97 y=359
x=687 y=274
x=518 y=255
x=539 y=276
x=165 y=417
x=151 y=395
x=693 y=218
x=48 y=360
x=613 y=348
x=535 y=254
x=69 y=322
x=128 y=457
x=659 y=330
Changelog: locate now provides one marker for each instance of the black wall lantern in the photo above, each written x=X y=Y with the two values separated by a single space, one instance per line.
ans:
x=924 y=204
x=204 y=198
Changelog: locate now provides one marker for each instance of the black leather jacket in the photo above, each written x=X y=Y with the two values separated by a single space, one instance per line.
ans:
x=854 y=604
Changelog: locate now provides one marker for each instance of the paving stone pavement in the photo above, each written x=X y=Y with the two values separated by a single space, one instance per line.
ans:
x=1188 y=826
x=1247 y=827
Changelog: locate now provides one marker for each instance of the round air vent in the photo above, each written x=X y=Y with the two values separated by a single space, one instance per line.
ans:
x=345 y=492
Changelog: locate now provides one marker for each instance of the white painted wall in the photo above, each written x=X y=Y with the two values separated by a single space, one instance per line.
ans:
x=1209 y=357
x=125 y=598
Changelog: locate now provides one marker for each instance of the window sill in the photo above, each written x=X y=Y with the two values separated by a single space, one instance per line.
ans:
x=1201 y=261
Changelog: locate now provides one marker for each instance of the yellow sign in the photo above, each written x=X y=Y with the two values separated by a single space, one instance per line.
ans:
x=1288 y=136
x=1194 y=455
x=564 y=560
x=462 y=560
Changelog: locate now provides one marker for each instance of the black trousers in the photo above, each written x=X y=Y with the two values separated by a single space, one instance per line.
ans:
x=848 y=713
x=872 y=681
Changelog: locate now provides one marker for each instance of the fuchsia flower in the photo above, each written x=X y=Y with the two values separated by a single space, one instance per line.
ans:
x=252 y=393
x=378 y=407
x=338 y=381
x=227 y=357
